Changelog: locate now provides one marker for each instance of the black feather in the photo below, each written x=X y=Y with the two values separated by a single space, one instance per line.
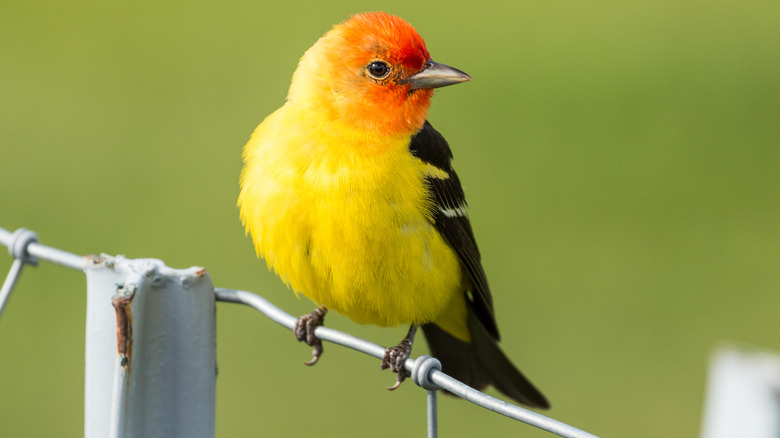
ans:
x=431 y=147
x=480 y=362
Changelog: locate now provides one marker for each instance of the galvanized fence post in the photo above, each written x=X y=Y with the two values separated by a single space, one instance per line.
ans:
x=743 y=394
x=150 y=350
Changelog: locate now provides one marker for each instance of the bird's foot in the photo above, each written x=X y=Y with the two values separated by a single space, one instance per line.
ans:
x=396 y=356
x=304 y=332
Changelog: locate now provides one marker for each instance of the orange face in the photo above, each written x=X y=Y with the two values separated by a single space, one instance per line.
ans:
x=369 y=59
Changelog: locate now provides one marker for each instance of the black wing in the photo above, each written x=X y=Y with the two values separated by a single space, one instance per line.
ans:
x=452 y=221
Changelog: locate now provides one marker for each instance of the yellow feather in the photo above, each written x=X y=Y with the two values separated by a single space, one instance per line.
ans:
x=346 y=221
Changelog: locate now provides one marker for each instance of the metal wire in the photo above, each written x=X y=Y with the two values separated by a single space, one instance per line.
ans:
x=17 y=246
x=433 y=421
x=10 y=282
x=43 y=252
x=425 y=370
x=441 y=380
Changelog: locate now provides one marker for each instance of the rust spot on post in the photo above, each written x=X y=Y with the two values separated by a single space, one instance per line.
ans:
x=92 y=258
x=124 y=322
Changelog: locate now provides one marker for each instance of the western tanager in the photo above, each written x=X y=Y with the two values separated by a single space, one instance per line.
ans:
x=350 y=198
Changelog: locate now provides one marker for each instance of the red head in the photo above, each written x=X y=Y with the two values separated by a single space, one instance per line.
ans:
x=371 y=73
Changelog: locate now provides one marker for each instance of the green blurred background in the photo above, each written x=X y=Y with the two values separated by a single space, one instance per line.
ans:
x=621 y=159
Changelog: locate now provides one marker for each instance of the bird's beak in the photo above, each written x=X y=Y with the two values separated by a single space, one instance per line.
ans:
x=435 y=75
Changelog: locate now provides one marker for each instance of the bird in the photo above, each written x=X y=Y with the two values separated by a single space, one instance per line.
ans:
x=350 y=197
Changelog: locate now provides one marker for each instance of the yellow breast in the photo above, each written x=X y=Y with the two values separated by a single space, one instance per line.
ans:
x=345 y=220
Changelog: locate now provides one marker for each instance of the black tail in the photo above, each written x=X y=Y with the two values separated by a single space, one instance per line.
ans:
x=481 y=362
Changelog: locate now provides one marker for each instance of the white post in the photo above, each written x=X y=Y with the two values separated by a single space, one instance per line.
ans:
x=150 y=350
x=742 y=395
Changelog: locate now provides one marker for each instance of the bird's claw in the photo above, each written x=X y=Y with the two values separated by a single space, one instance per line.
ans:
x=304 y=332
x=316 y=353
x=395 y=357
x=398 y=380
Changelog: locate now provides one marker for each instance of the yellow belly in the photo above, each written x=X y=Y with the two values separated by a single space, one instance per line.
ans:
x=348 y=224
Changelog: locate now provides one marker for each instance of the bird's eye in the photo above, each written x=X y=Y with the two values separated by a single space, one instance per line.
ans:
x=378 y=69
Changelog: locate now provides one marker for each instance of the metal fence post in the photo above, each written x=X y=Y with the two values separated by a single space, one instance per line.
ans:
x=150 y=350
x=742 y=394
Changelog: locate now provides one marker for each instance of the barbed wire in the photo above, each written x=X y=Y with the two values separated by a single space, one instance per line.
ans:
x=426 y=371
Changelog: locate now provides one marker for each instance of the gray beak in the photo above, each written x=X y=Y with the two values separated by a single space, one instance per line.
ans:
x=435 y=75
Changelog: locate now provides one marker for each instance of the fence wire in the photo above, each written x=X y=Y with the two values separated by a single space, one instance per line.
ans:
x=425 y=370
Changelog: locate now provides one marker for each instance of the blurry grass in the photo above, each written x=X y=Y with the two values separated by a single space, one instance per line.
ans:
x=621 y=162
